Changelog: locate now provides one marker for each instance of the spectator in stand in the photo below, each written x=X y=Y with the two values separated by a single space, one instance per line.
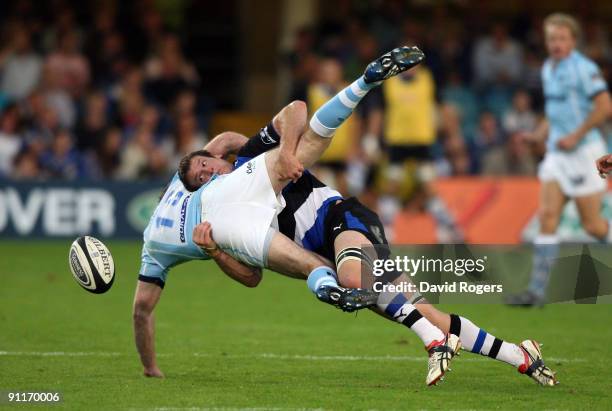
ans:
x=91 y=128
x=463 y=99
x=10 y=140
x=150 y=121
x=129 y=99
x=42 y=122
x=596 y=42
x=64 y=22
x=67 y=66
x=105 y=48
x=487 y=144
x=107 y=157
x=20 y=66
x=498 y=67
x=168 y=71
x=148 y=30
x=141 y=157
x=302 y=63
x=520 y=117
x=532 y=78
x=498 y=59
x=62 y=160
x=26 y=166
x=455 y=160
x=186 y=138
x=500 y=155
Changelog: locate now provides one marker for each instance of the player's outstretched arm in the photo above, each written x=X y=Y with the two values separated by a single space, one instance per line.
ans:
x=226 y=143
x=244 y=274
x=146 y=298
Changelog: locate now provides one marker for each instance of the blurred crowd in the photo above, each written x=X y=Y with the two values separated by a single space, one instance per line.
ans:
x=94 y=98
x=463 y=112
x=111 y=93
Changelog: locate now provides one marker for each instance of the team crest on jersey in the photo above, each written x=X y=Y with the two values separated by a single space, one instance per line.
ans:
x=265 y=136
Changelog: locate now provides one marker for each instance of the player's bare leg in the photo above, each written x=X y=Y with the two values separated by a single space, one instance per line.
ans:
x=472 y=338
x=589 y=208
x=394 y=306
x=546 y=245
x=286 y=257
x=145 y=299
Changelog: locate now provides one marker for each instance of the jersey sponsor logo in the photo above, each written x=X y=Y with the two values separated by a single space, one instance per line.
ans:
x=377 y=233
x=578 y=180
x=250 y=167
x=555 y=97
x=182 y=222
x=265 y=136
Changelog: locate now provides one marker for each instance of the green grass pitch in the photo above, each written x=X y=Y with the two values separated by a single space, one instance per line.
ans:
x=223 y=346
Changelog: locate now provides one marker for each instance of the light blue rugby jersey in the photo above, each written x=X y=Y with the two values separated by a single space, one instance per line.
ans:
x=569 y=87
x=168 y=236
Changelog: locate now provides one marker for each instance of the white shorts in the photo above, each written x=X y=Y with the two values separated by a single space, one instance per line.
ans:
x=575 y=171
x=241 y=207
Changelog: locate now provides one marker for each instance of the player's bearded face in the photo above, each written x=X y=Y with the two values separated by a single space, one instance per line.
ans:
x=203 y=168
x=559 y=41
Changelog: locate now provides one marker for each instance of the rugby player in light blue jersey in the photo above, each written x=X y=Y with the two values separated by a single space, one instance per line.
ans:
x=242 y=208
x=577 y=103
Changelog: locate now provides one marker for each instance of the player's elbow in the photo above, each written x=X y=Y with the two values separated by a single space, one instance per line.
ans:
x=603 y=104
x=253 y=280
x=298 y=106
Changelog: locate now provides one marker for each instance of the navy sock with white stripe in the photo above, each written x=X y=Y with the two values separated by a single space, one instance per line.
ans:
x=397 y=307
x=332 y=114
x=479 y=341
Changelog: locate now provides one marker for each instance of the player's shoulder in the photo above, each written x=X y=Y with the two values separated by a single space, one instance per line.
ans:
x=176 y=184
x=583 y=62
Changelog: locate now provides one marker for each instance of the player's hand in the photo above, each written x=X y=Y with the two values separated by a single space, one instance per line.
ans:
x=527 y=137
x=153 y=372
x=203 y=238
x=568 y=142
x=289 y=167
x=604 y=165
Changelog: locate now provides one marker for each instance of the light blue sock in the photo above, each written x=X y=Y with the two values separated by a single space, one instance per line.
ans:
x=322 y=276
x=332 y=114
x=545 y=253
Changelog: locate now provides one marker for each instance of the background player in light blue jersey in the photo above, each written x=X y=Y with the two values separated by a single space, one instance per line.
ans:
x=577 y=102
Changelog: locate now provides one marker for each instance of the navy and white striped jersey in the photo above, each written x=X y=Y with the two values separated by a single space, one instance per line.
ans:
x=307 y=201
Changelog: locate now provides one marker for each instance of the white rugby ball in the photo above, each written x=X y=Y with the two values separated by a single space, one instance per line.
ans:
x=91 y=264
